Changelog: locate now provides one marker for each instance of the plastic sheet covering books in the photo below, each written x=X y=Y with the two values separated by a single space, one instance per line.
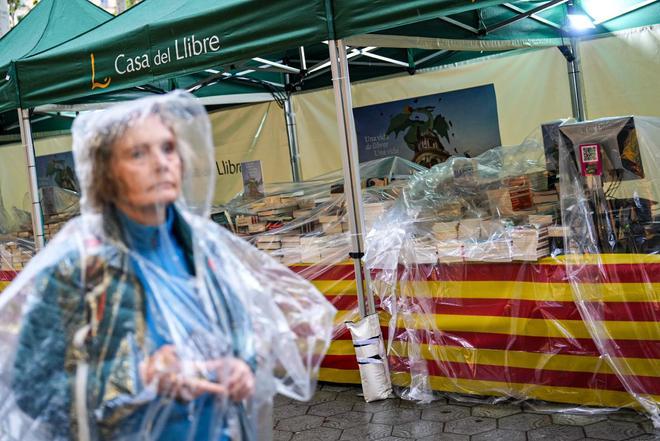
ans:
x=304 y=226
x=142 y=319
x=501 y=276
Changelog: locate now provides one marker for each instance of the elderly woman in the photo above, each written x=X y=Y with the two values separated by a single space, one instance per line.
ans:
x=142 y=319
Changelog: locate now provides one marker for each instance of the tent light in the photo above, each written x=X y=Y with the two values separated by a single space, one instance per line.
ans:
x=578 y=20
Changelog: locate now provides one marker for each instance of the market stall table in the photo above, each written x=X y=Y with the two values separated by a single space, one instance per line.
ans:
x=509 y=329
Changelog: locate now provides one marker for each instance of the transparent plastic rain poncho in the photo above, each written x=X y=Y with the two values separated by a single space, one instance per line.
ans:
x=495 y=279
x=145 y=320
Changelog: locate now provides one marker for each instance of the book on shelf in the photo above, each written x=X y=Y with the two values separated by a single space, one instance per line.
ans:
x=269 y=245
x=269 y=238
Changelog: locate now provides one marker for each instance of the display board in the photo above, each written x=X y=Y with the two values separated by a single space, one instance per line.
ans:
x=429 y=129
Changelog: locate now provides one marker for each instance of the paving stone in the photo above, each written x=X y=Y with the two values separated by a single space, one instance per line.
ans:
x=551 y=408
x=628 y=416
x=318 y=434
x=500 y=435
x=350 y=395
x=299 y=423
x=524 y=421
x=281 y=400
x=647 y=426
x=568 y=419
x=396 y=416
x=367 y=432
x=330 y=408
x=322 y=396
x=613 y=430
x=280 y=435
x=555 y=432
x=445 y=437
x=647 y=437
x=444 y=413
x=376 y=406
x=337 y=387
x=347 y=420
x=289 y=410
x=471 y=425
x=495 y=410
x=393 y=438
x=417 y=429
x=408 y=404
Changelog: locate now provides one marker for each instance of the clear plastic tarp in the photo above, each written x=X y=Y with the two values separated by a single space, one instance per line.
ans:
x=142 y=319
x=304 y=225
x=524 y=273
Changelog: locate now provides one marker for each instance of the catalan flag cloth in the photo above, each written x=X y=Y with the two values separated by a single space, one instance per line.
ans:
x=511 y=329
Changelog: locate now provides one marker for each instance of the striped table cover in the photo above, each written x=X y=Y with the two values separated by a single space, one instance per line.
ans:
x=5 y=278
x=511 y=328
x=506 y=328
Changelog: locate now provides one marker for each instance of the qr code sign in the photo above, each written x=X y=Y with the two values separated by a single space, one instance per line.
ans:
x=589 y=153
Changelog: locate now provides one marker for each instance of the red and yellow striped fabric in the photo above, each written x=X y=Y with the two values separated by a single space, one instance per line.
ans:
x=513 y=329
x=5 y=279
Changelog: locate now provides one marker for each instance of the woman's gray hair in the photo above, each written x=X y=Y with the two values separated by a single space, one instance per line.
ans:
x=94 y=137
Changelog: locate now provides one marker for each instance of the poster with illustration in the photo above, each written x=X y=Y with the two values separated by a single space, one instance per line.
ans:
x=57 y=170
x=253 y=181
x=429 y=129
x=56 y=178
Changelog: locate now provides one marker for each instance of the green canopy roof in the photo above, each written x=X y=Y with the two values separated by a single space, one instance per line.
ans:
x=218 y=41
x=48 y=24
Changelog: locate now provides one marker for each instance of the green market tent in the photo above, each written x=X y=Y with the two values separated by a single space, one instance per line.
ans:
x=50 y=23
x=162 y=40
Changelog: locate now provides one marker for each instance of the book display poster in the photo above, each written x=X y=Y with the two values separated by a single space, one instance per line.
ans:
x=253 y=181
x=57 y=170
x=429 y=129
x=56 y=179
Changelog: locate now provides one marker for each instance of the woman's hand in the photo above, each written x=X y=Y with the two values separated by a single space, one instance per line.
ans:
x=235 y=375
x=186 y=381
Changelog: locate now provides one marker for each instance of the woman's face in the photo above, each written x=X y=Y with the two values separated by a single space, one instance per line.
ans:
x=146 y=165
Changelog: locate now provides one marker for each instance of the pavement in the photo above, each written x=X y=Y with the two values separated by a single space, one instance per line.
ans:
x=338 y=412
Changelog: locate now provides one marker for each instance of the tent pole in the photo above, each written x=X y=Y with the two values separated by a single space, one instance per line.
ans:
x=292 y=136
x=575 y=81
x=341 y=84
x=28 y=144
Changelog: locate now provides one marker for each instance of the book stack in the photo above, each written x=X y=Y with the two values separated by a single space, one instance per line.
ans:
x=449 y=251
x=14 y=257
x=495 y=250
x=469 y=229
x=422 y=252
x=373 y=211
x=538 y=181
x=499 y=201
x=335 y=247
x=333 y=224
x=310 y=249
x=269 y=242
x=290 y=249
x=492 y=229
x=546 y=201
x=445 y=231
x=529 y=244
x=520 y=193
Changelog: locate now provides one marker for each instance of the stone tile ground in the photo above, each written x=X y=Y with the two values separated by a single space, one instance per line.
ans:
x=339 y=413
